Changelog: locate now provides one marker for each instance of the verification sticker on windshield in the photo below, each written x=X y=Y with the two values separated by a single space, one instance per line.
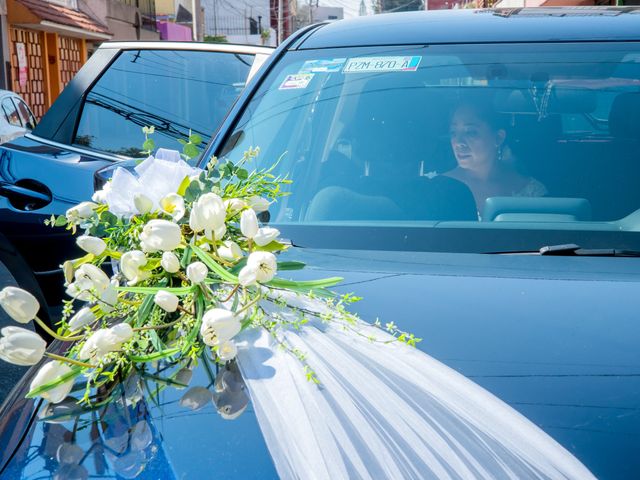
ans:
x=382 y=64
x=299 y=80
x=323 y=65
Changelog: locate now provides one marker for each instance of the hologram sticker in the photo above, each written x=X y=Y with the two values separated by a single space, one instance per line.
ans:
x=323 y=66
x=382 y=64
x=299 y=80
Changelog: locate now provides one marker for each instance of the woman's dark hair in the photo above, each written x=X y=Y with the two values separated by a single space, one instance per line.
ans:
x=482 y=106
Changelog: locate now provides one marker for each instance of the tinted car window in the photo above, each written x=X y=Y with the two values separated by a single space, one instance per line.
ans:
x=389 y=136
x=10 y=112
x=170 y=90
x=28 y=120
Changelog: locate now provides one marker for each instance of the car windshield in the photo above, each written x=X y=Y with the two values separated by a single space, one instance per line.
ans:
x=483 y=147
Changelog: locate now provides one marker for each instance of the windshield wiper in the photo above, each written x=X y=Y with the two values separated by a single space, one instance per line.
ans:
x=573 y=250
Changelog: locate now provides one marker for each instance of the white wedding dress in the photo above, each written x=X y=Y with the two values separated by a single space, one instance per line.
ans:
x=386 y=412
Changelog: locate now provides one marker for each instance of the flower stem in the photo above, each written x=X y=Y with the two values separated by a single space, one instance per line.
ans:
x=249 y=305
x=69 y=360
x=158 y=327
x=235 y=289
x=46 y=328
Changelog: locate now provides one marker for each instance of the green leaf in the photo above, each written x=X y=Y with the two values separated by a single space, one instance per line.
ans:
x=149 y=144
x=190 y=150
x=274 y=246
x=290 y=266
x=154 y=290
x=144 y=310
x=60 y=221
x=75 y=371
x=154 y=356
x=242 y=174
x=182 y=142
x=216 y=268
x=309 y=284
x=109 y=218
x=186 y=181
x=195 y=139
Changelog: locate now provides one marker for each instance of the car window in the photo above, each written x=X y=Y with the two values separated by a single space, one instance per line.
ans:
x=177 y=92
x=467 y=136
x=11 y=112
x=26 y=116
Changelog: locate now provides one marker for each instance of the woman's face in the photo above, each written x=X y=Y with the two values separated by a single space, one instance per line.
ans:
x=475 y=144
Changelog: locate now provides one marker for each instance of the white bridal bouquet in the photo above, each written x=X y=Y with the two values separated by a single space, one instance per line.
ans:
x=179 y=270
x=177 y=264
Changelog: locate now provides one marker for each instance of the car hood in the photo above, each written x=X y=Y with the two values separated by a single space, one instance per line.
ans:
x=554 y=337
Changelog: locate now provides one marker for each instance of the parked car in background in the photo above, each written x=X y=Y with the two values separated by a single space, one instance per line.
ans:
x=180 y=89
x=533 y=297
x=16 y=119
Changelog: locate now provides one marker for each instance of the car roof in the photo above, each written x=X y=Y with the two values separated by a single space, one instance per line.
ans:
x=206 y=46
x=546 y=24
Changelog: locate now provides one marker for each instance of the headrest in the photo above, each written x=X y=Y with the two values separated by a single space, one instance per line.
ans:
x=559 y=99
x=624 y=117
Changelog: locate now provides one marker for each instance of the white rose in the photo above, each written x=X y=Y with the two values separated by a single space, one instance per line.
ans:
x=218 y=326
x=173 y=204
x=166 y=301
x=90 y=244
x=170 y=262
x=48 y=373
x=131 y=264
x=82 y=318
x=19 y=304
x=266 y=235
x=197 y=272
x=230 y=250
x=249 y=223
x=21 y=346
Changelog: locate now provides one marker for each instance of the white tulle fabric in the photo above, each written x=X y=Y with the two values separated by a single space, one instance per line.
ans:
x=155 y=177
x=386 y=412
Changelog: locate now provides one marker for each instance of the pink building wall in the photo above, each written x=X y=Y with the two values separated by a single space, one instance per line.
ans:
x=174 y=31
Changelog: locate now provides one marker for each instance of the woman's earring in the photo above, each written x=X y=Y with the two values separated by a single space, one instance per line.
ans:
x=499 y=153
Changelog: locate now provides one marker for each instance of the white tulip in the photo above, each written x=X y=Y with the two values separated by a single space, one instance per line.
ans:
x=208 y=213
x=160 y=235
x=258 y=204
x=173 y=204
x=264 y=264
x=170 y=262
x=234 y=205
x=91 y=244
x=218 y=326
x=131 y=264
x=21 y=346
x=197 y=272
x=166 y=301
x=109 y=298
x=249 y=223
x=142 y=203
x=82 y=318
x=82 y=211
x=227 y=350
x=105 y=341
x=266 y=235
x=68 y=271
x=90 y=282
x=19 y=304
x=48 y=373
x=230 y=251
x=247 y=276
